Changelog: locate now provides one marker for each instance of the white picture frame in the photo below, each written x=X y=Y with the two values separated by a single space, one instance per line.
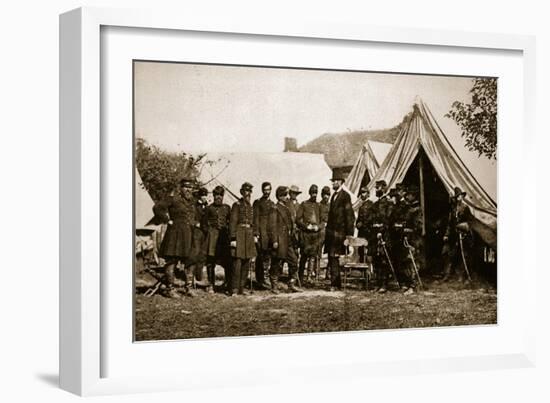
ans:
x=83 y=300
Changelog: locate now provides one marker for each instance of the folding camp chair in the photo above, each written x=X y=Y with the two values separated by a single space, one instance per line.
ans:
x=353 y=261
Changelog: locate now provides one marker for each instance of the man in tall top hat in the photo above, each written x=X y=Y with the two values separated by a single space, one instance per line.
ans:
x=243 y=236
x=281 y=234
x=340 y=225
x=217 y=241
x=263 y=208
x=308 y=220
x=458 y=239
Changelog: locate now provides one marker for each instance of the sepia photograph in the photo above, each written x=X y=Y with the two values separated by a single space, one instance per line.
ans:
x=278 y=200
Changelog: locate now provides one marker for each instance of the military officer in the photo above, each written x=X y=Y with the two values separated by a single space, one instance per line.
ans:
x=364 y=222
x=217 y=240
x=324 y=206
x=262 y=211
x=281 y=234
x=458 y=239
x=308 y=220
x=381 y=209
x=197 y=259
x=412 y=239
x=179 y=213
x=243 y=236
x=396 y=225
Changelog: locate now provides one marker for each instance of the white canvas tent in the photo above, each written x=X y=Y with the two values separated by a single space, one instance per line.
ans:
x=423 y=133
x=367 y=164
x=281 y=168
x=147 y=236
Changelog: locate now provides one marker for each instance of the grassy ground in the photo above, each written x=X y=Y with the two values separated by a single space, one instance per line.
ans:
x=315 y=310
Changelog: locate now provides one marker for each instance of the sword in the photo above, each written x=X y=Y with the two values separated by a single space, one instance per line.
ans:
x=408 y=246
x=463 y=257
x=389 y=261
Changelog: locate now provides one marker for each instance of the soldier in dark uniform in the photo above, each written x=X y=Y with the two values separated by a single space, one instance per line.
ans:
x=217 y=240
x=179 y=213
x=340 y=226
x=396 y=225
x=324 y=206
x=364 y=222
x=381 y=209
x=281 y=234
x=308 y=220
x=262 y=211
x=458 y=231
x=412 y=238
x=243 y=237
x=197 y=260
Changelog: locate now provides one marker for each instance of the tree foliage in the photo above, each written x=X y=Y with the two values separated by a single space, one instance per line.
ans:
x=478 y=119
x=161 y=171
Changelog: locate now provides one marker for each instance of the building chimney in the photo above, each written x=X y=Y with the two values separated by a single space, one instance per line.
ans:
x=291 y=145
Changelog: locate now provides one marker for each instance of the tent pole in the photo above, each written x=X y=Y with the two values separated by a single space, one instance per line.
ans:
x=422 y=199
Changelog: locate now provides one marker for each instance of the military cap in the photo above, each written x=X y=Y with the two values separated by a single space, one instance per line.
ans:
x=325 y=190
x=202 y=192
x=265 y=184
x=218 y=190
x=381 y=182
x=294 y=189
x=246 y=186
x=281 y=191
x=458 y=192
x=187 y=182
x=337 y=177
x=313 y=189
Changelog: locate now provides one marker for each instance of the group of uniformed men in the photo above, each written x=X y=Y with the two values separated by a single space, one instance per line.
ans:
x=286 y=231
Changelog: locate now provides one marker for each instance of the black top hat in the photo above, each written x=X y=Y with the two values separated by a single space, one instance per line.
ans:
x=294 y=189
x=337 y=177
x=325 y=191
x=458 y=192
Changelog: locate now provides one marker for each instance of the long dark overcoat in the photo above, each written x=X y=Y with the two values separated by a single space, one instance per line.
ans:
x=309 y=213
x=281 y=230
x=178 y=239
x=241 y=230
x=217 y=241
x=341 y=221
x=262 y=208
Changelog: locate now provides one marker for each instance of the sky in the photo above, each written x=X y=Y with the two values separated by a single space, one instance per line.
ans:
x=201 y=108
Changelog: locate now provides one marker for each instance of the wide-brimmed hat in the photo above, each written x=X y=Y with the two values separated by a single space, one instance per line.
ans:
x=458 y=192
x=281 y=191
x=294 y=189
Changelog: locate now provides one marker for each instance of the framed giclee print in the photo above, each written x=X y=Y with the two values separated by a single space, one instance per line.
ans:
x=221 y=186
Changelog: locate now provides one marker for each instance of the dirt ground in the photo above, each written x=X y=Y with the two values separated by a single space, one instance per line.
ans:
x=314 y=310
